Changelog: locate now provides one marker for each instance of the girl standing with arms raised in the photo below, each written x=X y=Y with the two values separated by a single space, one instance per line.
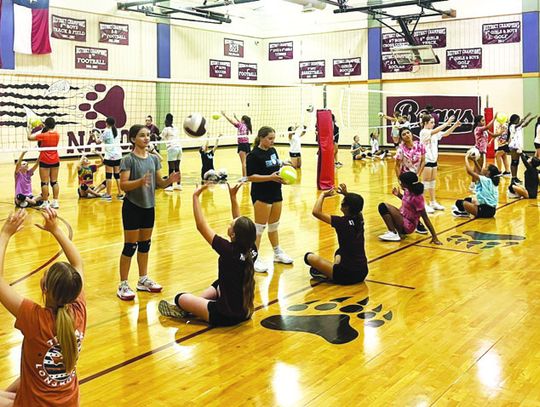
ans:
x=53 y=333
x=263 y=165
x=113 y=154
x=49 y=161
x=140 y=173
x=174 y=150
x=244 y=130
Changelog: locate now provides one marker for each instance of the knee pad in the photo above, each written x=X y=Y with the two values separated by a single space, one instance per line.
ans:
x=53 y=183
x=177 y=299
x=116 y=175
x=21 y=197
x=43 y=184
x=383 y=209
x=144 y=246
x=259 y=228
x=306 y=258
x=515 y=162
x=108 y=175
x=511 y=188
x=273 y=227
x=84 y=187
x=459 y=205
x=429 y=184
x=129 y=249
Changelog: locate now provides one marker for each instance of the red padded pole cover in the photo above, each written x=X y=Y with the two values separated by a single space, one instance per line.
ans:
x=488 y=115
x=325 y=166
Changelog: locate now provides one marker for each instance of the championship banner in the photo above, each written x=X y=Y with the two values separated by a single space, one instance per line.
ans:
x=501 y=33
x=464 y=108
x=66 y=28
x=114 y=33
x=435 y=37
x=347 y=67
x=95 y=59
x=464 y=58
x=220 y=69
x=280 y=50
x=311 y=69
x=233 y=48
x=247 y=72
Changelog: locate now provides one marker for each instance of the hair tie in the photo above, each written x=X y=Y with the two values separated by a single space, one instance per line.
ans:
x=417 y=182
x=498 y=175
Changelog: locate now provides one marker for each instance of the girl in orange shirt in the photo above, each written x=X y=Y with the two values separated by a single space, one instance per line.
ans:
x=52 y=334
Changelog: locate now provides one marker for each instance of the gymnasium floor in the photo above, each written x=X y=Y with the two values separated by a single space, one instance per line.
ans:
x=449 y=325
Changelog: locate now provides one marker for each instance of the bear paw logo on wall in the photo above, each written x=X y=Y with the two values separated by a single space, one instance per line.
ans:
x=110 y=104
x=481 y=240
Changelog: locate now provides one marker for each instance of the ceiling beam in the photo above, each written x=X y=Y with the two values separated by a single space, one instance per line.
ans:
x=367 y=9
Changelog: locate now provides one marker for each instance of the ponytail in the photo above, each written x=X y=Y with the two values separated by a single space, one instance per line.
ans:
x=477 y=120
x=247 y=122
x=65 y=333
x=425 y=119
x=248 y=285
x=111 y=122
x=245 y=235
x=494 y=174
x=355 y=205
x=410 y=181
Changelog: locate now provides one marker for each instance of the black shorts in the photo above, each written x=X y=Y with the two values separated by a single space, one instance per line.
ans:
x=344 y=276
x=134 y=217
x=504 y=148
x=336 y=139
x=45 y=165
x=295 y=155
x=431 y=165
x=486 y=211
x=245 y=147
x=112 y=163
x=216 y=318
x=536 y=145
x=267 y=199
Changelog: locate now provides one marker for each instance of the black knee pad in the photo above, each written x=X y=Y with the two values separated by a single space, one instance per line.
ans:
x=116 y=175
x=515 y=162
x=21 y=197
x=144 y=246
x=459 y=205
x=53 y=183
x=84 y=187
x=383 y=209
x=306 y=258
x=108 y=175
x=511 y=188
x=129 y=249
x=177 y=299
x=43 y=184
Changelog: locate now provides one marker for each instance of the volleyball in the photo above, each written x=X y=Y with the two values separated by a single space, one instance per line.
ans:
x=194 y=125
x=473 y=154
x=216 y=116
x=288 y=174
x=35 y=122
x=502 y=118
x=310 y=109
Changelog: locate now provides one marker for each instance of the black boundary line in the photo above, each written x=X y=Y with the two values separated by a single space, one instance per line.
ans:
x=53 y=258
x=209 y=328
x=444 y=248
x=390 y=284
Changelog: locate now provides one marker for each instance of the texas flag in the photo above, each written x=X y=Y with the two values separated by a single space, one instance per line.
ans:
x=31 y=21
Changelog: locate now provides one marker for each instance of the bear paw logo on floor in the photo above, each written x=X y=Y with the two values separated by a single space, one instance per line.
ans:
x=321 y=319
x=112 y=104
x=483 y=240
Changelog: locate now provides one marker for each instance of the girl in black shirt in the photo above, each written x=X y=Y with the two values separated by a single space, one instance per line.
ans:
x=229 y=300
x=350 y=262
x=207 y=157
x=263 y=166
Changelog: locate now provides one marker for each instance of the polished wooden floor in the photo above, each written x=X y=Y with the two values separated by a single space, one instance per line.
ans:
x=457 y=324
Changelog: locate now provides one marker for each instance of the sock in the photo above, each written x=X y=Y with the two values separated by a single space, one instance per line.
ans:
x=277 y=249
x=142 y=279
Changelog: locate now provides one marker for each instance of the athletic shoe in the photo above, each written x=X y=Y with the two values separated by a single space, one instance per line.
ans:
x=282 y=257
x=125 y=293
x=106 y=197
x=507 y=174
x=516 y=180
x=54 y=204
x=512 y=195
x=437 y=206
x=169 y=189
x=177 y=187
x=171 y=310
x=317 y=274
x=390 y=236
x=23 y=204
x=260 y=266
x=459 y=214
x=44 y=205
x=148 y=285
x=120 y=197
x=382 y=156
x=429 y=209
x=420 y=228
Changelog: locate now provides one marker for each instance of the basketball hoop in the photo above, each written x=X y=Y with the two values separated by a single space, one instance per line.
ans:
x=415 y=66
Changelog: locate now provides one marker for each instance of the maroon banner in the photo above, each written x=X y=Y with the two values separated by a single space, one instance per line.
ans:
x=280 y=50
x=114 y=33
x=247 y=72
x=389 y=64
x=464 y=58
x=233 y=48
x=312 y=69
x=220 y=69
x=65 y=28
x=347 y=67
x=501 y=33
x=464 y=108
x=96 y=59
x=435 y=37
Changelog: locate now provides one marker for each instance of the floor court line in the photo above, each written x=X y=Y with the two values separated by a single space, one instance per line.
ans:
x=447 y=249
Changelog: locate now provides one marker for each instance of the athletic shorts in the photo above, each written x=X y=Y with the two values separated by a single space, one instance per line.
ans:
x=536 y=145
x=134 y=217
x=112 y=163
x=343 y=276
x=486 y=211
x=336 y=139
x=504 y=148
x=295 y=155
x=267 y=199
x=245 y=147
x=431 y=165
x=45 y=165
x=174 y=154
x=216 y=318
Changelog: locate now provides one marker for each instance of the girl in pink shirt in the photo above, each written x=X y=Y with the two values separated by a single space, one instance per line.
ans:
x=23 y=183
x=403 y=221
x=244 y=130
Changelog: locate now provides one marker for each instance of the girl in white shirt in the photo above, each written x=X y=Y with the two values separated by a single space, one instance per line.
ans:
x=430 y=137
x=174 y=150
x=537 y=138
x=295 y=142
x=515 y=130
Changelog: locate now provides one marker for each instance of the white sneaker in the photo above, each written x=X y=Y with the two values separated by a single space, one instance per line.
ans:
x=437 y=206
x=44 y=205
x=125 y=293
x=512 y=195
x=429 y=209
x=459 y=214
x=260 y=266
x=23 y=204
x=54 y=204
x=148 y=285
x=177 y=187
x=390 y=236
x=282 y=257
x=169 y=189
